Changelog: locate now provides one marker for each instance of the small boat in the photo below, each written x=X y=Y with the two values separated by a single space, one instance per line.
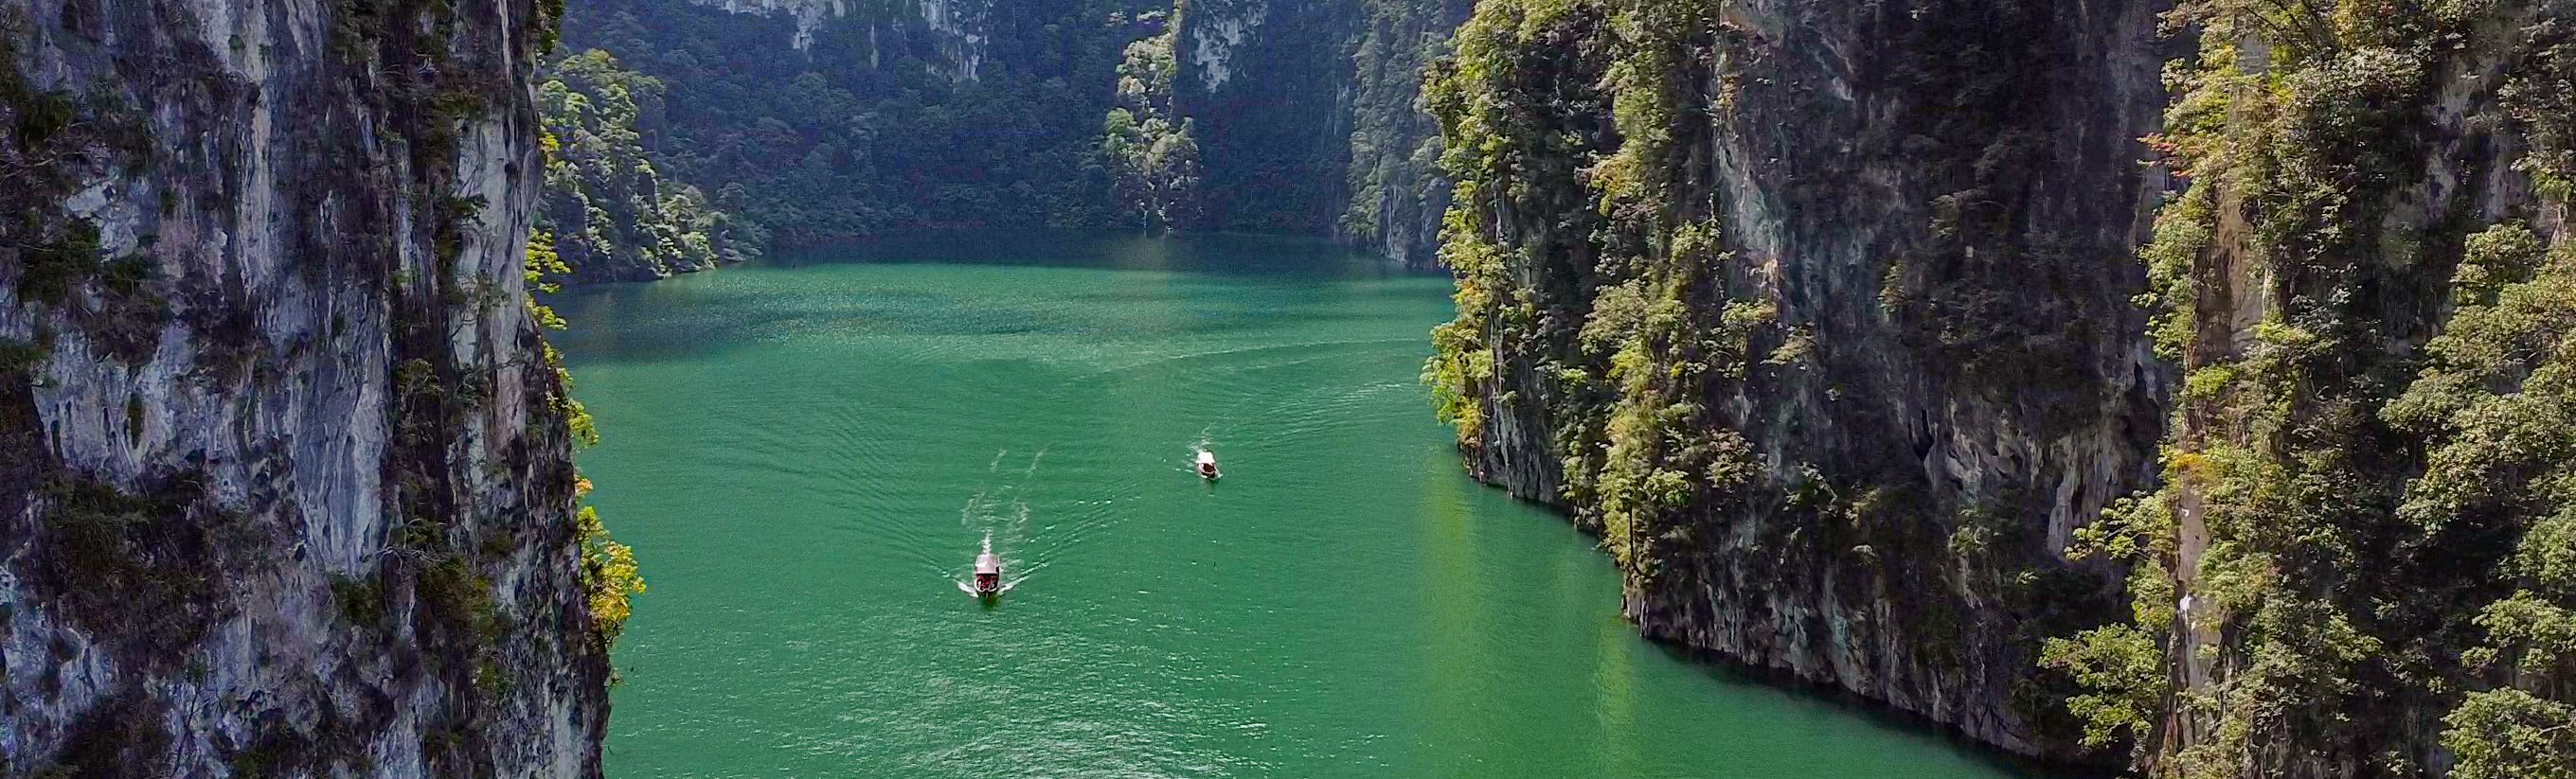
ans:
x=988 y=575
x=1207 y=465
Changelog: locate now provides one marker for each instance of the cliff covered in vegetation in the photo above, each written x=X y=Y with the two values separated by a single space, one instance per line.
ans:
x=819 y=121
x=1819 y=314
x=285 y=474
x=1308 y=116
x=1834 y=322
x=608 y=211
x=2362 y=559
x=1395 y=193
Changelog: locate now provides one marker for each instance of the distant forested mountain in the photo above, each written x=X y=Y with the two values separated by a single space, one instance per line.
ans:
x=803 y=121
x=822 y=126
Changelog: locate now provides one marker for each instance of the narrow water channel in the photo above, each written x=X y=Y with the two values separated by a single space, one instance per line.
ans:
x=807 y=453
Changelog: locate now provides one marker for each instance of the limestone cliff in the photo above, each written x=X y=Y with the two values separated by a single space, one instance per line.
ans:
x=1823 y=317
x=285 y=485
x=958 y=29
x=1819 y=313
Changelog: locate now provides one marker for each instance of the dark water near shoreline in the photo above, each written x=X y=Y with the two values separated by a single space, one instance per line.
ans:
x=807 y=453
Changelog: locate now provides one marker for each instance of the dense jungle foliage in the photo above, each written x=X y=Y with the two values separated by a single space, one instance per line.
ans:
x=612 y=214
x=874 y=123
x=2363 y=559
x=1146 y=142
x=887 y=115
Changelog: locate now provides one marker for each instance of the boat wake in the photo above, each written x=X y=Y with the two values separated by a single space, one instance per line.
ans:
x=1002 y=516
x=1001 y=510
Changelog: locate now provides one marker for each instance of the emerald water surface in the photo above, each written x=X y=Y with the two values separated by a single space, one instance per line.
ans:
x=806 y=455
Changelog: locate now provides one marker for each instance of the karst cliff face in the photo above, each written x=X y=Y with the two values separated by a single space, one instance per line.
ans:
x=1820 y=314
x=285 y=485
x=2216 y=423
x=1395 y=194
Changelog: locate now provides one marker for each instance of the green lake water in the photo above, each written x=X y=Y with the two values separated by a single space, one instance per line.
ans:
x=806 y=455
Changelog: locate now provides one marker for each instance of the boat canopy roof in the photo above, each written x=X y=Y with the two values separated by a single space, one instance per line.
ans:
x=1206 y=456
x=987 y=563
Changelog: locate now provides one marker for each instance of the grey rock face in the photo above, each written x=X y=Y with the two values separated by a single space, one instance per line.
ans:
x=286 y=486
x=959 y=29
x=1940 y=202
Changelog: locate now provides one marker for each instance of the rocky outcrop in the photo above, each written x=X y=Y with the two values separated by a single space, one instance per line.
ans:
x=959 y=30
x=285 y=484
x=1820 y=314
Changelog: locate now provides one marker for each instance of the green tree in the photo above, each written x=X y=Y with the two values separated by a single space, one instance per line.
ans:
x=614 y=215
x=1146 y=143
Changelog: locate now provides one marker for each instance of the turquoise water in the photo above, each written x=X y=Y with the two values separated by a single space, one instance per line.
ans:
x=807 y=454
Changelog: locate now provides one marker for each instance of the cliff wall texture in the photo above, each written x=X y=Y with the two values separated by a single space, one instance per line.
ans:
x=2359 y=561
x=1847 y=329
x=1820 y=314
x=285 y=484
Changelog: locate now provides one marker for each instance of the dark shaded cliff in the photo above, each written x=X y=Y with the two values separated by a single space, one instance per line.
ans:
x=817 y=120
x=1819 y=313
x=821 y=120
x=1265 y=84
x=285 y=485
x=1307 y=117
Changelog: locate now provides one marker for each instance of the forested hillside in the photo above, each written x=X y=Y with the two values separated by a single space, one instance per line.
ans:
x=802 y=122
x=607 y=211
x=818 y=125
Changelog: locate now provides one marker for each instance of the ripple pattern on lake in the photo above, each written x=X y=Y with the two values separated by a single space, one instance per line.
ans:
x=807 y=454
